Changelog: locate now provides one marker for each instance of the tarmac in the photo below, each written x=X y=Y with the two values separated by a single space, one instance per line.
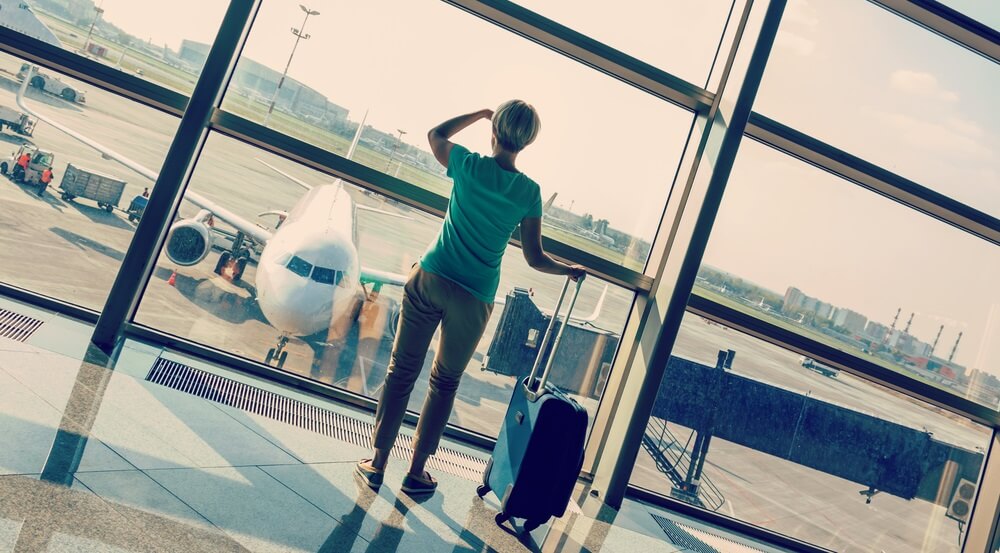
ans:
x=72 y=250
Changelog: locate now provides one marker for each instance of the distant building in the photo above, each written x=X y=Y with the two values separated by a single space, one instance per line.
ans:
x=793 y=301
x=259 y=82
x=17 y=16
x=850 y=321
x=876 y=331
x=193 y=53
x=823 y=310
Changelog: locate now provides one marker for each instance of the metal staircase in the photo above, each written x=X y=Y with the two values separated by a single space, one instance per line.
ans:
x=674 y=461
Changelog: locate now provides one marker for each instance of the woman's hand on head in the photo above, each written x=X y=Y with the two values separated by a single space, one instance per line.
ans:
x=487 y=113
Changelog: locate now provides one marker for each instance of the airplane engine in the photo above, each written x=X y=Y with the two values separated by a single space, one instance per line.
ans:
x=188 y=242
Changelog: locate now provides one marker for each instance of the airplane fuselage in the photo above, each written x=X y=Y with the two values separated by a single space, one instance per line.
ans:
x=308 y=276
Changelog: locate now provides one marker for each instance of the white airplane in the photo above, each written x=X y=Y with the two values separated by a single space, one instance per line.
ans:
x=309 y=277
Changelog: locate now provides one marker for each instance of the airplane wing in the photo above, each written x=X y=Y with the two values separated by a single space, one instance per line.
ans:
x=239 y=223
x=284 y=174
x=383 y=277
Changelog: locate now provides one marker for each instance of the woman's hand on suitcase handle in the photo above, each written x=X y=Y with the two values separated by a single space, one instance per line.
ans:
x=576 y=272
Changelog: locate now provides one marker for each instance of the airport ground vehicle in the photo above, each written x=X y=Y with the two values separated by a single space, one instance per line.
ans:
x=53 y=85
x=78 y=182
x=16 y=121
x=39 y=161
x=136 y=208
x=822 y=369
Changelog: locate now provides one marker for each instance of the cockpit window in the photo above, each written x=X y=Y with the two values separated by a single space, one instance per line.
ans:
x=323 y=275
x=299 y=266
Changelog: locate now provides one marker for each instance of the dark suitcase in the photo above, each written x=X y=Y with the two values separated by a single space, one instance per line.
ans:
x=539 y=452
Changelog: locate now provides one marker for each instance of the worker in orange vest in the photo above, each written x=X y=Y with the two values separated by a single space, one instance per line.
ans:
x=22 y=165
x=46 y=178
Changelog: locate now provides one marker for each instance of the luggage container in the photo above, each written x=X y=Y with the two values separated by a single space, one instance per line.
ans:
x=78 y=182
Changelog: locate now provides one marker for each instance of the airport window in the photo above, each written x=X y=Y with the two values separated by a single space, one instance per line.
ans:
x=341 y=78
x=66 y=239
x=120 y=34
x=860 y=273
x=678 y=37
x=867 y=81
x=761 y=434
x=227 y=297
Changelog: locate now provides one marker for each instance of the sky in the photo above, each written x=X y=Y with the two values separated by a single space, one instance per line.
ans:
x=848 y=73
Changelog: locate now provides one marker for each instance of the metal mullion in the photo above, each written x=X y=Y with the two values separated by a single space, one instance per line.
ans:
x=332 y=164
x=866 y=370
x=48 y=303
x=91 y=72
x=874 y=177
x=722 y=521
x=588 y=51
x=982 y=530
x=692 y=207
x=948 y=23
x=175 y=172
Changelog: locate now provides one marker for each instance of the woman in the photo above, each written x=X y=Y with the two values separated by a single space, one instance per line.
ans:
x=456 y=280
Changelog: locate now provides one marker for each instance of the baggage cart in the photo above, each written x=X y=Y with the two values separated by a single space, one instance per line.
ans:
x=78 y=182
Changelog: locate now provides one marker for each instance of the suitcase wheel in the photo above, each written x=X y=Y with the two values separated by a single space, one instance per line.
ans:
x=482 y=490
x=501 y=518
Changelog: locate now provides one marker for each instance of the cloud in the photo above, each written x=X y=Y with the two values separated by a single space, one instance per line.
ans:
x=921 y=84
x=800 y=14
x=943 y=139
x=797 y=44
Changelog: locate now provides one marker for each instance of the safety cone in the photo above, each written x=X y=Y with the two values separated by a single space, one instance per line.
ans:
x=172 y=281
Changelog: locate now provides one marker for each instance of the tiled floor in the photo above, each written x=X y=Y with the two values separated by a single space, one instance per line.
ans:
x=94 y=458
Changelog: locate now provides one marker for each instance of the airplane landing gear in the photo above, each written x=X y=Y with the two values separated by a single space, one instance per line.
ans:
x=278 y=353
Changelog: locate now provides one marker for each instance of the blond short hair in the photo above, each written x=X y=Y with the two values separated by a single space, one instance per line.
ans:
x=516 y=124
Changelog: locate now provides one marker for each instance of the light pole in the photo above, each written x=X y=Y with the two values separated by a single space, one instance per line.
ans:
x=97 y=16
x=300 y=34
x=394 y=147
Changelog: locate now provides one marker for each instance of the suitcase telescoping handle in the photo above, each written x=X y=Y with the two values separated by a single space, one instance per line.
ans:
x=537 y=389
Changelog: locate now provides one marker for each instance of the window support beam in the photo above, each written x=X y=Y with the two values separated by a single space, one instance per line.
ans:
x=137 y=266
x=691 y=211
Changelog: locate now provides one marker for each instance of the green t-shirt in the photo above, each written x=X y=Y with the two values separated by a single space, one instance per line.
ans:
x=487 y=203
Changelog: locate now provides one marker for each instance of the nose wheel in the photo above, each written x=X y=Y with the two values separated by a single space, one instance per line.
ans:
x=277 y=354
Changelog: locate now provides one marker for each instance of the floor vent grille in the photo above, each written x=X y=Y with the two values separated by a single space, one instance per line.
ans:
x=16 y=326
x=700 y=541
x=301 y=414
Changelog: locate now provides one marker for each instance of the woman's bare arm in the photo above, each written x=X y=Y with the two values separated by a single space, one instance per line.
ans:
x=439 y=137
x=531 y=247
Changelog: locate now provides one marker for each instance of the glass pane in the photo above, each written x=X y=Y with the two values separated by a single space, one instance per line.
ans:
x=867 y=81
x=68 y=240
x=826 y=458
x=429 y=64
x=808 y=251
x=158 y=41
x=244 y=303
x=677 y=36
